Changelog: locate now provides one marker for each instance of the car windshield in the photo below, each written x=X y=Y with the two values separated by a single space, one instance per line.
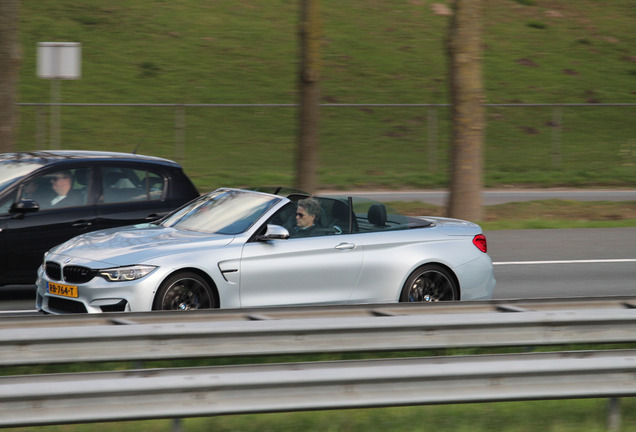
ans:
x=11 y=171
x=222 y=212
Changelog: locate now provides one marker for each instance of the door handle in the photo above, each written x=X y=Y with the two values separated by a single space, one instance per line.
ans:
x=346 y=246
x=82 y=224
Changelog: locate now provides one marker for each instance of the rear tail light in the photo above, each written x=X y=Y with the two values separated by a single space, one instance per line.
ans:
x=480 y=242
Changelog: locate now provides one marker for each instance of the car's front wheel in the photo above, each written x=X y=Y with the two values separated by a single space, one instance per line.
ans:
x=430 y=283
x=184 y=291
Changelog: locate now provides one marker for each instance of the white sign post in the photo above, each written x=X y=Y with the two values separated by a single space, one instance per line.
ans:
x=58 y=61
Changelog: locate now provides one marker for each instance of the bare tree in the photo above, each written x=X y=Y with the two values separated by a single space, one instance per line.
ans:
x=468 y=111
x=9 y=71
x=310 y=65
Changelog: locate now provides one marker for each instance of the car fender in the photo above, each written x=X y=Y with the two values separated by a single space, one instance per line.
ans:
x=389 y=261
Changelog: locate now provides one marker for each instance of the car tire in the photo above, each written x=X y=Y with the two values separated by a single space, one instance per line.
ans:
x=184 y=291
x=430 y=283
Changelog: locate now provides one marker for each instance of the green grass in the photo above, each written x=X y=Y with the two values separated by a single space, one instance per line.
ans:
x=379 y=51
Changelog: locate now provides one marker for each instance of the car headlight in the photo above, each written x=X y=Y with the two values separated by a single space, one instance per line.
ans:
x=124 y=274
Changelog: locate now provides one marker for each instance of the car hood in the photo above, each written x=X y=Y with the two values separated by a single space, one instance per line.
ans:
x=133 y=245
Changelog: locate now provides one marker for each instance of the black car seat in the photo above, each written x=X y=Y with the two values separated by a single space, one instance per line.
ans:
x=377 y=215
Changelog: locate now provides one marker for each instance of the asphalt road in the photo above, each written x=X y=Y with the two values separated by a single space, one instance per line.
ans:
x=528 y=264
x=563 y=262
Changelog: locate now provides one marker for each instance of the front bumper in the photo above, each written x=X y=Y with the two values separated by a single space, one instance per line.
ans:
x=97 y=295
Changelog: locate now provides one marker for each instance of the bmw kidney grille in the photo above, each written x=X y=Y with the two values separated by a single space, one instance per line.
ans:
x=72 y=273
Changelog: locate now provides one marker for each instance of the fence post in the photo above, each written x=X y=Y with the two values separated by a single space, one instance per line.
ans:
x=179 y=133
x=557 y=127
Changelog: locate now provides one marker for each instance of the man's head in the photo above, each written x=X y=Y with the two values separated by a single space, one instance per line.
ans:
x=61 y=182
x=307 y=213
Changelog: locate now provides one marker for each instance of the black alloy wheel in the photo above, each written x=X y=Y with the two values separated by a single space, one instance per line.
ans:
x=184 y=291
x=430 y=283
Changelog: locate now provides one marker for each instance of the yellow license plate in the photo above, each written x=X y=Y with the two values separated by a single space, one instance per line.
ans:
x=63 y=290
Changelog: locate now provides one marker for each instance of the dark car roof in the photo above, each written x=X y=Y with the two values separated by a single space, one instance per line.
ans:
x=53 y=156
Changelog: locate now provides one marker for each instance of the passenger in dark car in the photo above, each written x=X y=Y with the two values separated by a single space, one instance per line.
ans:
x=62 y=184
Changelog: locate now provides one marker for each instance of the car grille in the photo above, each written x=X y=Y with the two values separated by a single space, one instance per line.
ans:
x=62 y=305
x=78 y=274
x=72 y=273
x=53 y=270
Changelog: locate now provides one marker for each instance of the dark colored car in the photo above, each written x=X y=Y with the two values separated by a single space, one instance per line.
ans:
x=47 y=197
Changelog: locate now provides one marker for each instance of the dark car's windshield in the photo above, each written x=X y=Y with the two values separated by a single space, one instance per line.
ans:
x=222 y=212
x=11 y=171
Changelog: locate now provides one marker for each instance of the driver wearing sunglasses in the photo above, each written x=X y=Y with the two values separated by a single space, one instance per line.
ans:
x=307 y=214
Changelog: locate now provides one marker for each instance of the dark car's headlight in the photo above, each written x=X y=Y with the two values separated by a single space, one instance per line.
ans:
x=124 y=274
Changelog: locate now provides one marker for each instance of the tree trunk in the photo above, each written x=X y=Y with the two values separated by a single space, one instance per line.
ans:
x=9 y=71
x=468 y=112
x=307 y=149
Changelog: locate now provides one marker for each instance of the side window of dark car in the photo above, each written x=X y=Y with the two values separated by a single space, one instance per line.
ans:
x=122 y=184
x=64 y=188
x=6 y=204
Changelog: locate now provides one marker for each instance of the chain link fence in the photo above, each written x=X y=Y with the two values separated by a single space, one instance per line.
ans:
x=382 y=145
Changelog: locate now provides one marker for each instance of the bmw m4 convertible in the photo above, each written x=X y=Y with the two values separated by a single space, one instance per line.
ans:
x=235 y=248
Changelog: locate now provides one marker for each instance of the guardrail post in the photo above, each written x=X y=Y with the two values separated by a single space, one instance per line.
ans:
x=177 y=425
x=613 y=414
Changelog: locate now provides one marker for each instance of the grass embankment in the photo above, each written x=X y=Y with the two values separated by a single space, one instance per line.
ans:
x=379 y=52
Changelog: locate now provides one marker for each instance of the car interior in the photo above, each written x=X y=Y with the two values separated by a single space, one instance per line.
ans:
x=336 y=217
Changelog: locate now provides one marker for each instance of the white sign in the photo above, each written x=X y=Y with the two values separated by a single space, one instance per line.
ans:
x=59 y=60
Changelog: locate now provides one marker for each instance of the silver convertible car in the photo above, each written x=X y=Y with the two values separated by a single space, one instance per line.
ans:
x=234 y=248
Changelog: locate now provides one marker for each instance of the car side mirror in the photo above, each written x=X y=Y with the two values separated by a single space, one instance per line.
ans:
x=24 y=206
x=274 y=232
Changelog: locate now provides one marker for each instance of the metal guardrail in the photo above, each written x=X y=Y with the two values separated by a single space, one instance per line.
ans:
x=144 y=394
x=176 y=393
x=261 y=333
x=151 y=336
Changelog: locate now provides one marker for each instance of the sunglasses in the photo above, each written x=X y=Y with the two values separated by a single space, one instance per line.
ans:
x=300 y=215
x=54 y=179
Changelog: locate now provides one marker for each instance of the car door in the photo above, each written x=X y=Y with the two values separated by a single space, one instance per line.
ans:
x=319 y=269
x=313 y=270
x=27 y=236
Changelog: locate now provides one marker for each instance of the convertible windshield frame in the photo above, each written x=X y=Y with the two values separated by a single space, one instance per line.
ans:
x=224 y=211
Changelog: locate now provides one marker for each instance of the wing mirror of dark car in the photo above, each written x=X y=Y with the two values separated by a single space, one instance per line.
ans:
x=25 y=206
x=274 y=232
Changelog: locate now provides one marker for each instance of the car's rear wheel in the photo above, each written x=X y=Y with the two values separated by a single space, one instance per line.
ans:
x=430 y=283
x=184 y=291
